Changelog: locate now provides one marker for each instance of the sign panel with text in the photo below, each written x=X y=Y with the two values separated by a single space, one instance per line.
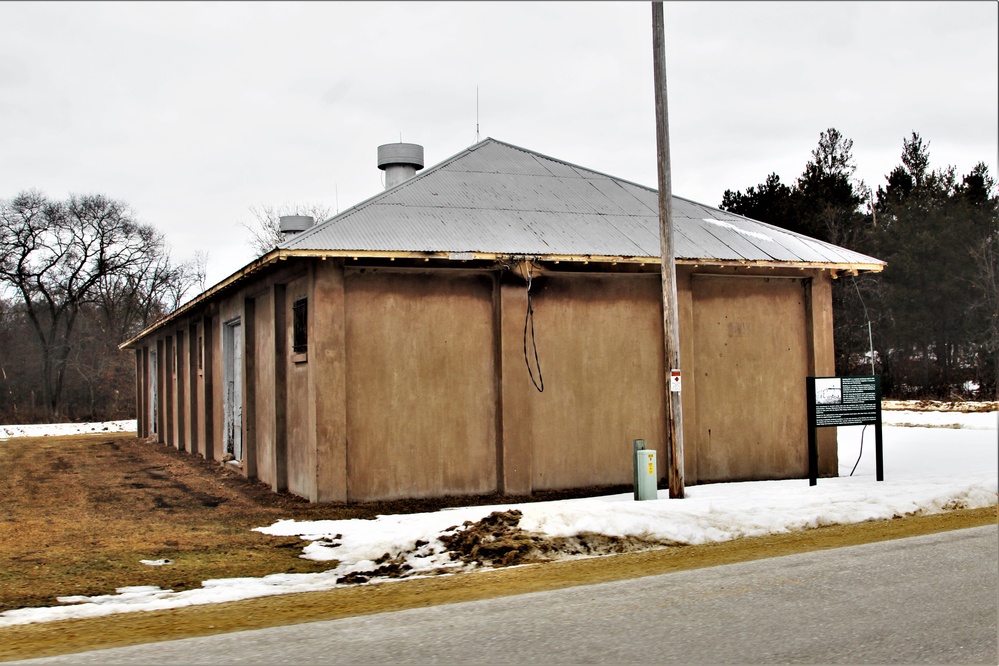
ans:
x=843 y=401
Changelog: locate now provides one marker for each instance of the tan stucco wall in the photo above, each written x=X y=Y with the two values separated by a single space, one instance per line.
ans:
x=824 y=359
x=191 y=414
x=415 y=382
x=301 y=429
x=263 y=378
x=599 y=341
x=421 y=389
x=206 y=389
x=750 y=367
x=328 y=380
x=142 y=392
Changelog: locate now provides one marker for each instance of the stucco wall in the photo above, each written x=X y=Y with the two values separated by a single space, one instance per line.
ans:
x=263 y=377
x=415 y=382
x=421 y=388
x=599 y=342
x=300 y=428
x=206 y=389
x=750 y=365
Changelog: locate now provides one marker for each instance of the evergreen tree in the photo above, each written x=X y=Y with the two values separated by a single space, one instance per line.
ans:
x=934 y=312
x=772 y=202
x=936 y=330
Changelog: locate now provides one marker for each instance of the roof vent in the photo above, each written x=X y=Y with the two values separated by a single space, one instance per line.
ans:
x=293 y=224
x=399 y=161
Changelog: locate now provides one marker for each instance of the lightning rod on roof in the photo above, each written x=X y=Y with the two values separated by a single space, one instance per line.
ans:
x=476 y=114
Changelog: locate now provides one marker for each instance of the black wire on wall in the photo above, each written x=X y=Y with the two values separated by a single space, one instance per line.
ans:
x=539 y=383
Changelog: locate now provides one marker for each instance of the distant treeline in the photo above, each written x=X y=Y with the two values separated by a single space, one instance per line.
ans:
x=934 y=311
x=77 y=277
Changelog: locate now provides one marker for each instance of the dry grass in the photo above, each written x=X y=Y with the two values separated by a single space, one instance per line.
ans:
x=77 y=514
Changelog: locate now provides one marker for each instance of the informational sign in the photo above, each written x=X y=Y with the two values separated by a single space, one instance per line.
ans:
x=674 y=381
x=843 y=401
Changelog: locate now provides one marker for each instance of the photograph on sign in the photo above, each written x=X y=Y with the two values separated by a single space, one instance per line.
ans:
x=828 y=390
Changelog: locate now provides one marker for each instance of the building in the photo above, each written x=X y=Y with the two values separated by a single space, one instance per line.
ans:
x=400 y=348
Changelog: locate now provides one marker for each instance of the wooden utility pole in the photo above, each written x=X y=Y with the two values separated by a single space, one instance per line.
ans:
x=671 y=326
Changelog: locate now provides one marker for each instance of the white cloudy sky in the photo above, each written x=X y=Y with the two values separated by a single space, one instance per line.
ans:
x=193 y=112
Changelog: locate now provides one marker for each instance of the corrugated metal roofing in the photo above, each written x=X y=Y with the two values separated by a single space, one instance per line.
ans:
x=496 y=198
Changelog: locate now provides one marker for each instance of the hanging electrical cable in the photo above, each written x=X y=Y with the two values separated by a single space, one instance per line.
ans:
x=861 y=451
x=539 y=383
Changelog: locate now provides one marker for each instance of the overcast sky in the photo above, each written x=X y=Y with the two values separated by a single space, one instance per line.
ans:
x=194 y=112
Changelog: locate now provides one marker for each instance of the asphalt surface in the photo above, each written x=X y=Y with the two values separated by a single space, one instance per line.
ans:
x=921 y=600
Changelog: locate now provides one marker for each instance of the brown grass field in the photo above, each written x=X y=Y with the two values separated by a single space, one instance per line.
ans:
x=78 y=513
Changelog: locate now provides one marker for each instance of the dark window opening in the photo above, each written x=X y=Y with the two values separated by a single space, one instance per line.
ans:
x=201 y=354
x=300 y=326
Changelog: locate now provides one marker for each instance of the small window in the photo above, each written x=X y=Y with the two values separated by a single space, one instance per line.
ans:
x=300 y=326
x=201 y=354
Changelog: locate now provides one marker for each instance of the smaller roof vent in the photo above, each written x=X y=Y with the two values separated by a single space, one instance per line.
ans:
x=293 y=224
x=399 y=161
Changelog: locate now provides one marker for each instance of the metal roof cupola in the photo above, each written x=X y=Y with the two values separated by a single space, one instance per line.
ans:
x=400 y=162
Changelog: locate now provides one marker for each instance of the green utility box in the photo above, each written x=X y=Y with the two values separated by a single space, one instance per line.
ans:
x=646 y=474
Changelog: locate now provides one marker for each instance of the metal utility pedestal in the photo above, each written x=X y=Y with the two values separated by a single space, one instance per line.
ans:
x=645 y=472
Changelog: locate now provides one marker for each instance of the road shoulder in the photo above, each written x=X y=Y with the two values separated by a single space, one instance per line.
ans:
x=64 y=637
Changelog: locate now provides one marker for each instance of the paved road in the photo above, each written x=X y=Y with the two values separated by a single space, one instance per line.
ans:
x=930 y=599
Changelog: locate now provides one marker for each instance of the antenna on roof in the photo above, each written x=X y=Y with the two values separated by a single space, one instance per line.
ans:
x=336 y=198
x=476 y=114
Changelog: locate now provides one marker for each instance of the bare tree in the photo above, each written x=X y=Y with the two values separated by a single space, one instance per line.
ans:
x=59 y=256
x=130 y=300
x=265 y=228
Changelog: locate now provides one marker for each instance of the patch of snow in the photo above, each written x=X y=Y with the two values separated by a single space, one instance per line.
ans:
x=936 y=462
x=937 y=419
x=57 y=429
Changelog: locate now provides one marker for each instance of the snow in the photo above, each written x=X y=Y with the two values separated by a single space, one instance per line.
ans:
x=933 y=462
x=57 y=429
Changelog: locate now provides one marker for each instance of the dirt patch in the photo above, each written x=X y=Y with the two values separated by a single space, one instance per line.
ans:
x=498 y=541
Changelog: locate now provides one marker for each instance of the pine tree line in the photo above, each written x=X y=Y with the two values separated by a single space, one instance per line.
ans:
x=933 y=314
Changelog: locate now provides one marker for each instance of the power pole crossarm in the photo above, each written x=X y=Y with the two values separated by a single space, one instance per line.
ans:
x=671 y=326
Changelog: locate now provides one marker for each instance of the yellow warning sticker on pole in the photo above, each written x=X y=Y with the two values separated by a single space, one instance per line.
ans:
x=674 y=381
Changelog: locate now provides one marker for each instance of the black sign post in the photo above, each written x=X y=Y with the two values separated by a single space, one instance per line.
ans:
x=843 y=401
